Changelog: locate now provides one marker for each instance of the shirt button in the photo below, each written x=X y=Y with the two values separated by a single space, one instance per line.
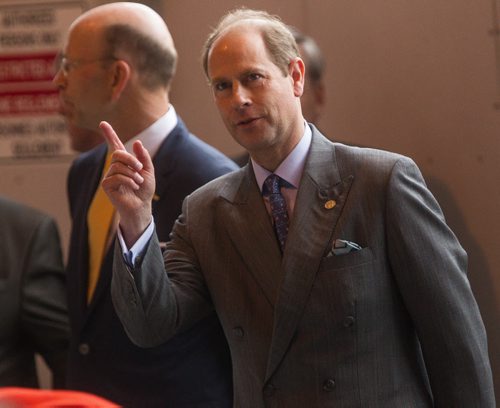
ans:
x=328 y=385
x=84 y=349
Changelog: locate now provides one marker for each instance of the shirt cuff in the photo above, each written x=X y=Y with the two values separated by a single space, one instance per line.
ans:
x=130 y=255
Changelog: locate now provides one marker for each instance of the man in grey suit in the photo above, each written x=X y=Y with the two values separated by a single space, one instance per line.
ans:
x=363 y=302
x=33 y=308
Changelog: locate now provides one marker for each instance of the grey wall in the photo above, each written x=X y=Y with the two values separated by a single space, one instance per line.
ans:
x=419 y=78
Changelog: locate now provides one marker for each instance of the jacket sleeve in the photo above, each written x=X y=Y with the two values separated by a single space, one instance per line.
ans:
x=44 y=307
x=430 y=268
x=157 y=299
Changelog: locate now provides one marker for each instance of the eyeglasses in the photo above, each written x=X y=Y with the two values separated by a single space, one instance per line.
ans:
x=66 y=65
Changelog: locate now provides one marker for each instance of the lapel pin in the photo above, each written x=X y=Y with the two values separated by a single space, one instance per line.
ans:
x=330 y=204
x=156 y=197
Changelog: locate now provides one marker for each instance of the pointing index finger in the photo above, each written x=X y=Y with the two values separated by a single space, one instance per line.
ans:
x=112 y=139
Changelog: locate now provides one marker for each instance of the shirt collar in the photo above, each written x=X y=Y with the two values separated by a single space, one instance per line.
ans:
x=153 y=136
x=292 y=167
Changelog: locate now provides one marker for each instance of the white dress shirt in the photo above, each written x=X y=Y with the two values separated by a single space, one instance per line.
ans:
x=289 y=170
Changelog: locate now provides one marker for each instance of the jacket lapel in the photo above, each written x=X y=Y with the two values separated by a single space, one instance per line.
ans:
x=164 y=167
x=249 y=227
x=319 y=203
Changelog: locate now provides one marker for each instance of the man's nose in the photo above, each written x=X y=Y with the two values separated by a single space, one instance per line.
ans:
x=59 y=78
x=241 y=96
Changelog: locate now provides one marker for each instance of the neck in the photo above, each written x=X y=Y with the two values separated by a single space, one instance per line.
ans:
x=133 y=118
x=271 y=157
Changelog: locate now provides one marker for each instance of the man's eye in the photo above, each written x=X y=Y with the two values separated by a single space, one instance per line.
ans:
x=220 y=86
x=254 y=77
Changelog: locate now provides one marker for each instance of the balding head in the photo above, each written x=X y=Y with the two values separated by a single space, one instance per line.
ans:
x=133 y=32
x=277 y=37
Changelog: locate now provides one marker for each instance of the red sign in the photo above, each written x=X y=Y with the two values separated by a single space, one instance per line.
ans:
x=32 y=33
x=12 y=103
x=27 y=68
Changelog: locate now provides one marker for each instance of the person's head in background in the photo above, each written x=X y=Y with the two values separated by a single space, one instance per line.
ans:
x=314 y=96
x=117 y=66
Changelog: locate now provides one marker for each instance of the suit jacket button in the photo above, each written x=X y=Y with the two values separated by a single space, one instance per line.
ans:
x=269 y=390
x=328 y=385
x=238 y=331
x=84 y=349
x=348 y=321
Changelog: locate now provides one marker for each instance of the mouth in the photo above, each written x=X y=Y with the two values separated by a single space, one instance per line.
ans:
x=246 y=122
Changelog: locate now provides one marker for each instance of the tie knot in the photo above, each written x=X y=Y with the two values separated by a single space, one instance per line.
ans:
x=272 y=185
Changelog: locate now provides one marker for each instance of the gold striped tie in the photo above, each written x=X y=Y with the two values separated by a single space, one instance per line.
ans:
x=99 y=220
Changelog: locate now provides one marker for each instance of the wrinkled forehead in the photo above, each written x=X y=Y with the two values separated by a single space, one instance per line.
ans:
x=251 y=28
x=237 y=50
x=240 y=41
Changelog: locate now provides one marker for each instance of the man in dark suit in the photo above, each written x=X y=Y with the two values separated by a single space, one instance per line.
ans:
x=124 y=77
x=340 y=286
x=33 y=310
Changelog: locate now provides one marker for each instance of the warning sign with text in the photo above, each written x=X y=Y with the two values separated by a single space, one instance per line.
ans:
x=31 y=37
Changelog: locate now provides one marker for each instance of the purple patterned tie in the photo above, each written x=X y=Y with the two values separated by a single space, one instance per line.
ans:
x=277 y=202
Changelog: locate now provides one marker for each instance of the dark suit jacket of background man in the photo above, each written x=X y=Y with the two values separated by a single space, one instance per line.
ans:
x=33 y=311
x=192 y=367
x=391 y=325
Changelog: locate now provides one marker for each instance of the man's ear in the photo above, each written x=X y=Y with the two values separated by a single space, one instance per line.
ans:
x=297 y=69
x=120 y=75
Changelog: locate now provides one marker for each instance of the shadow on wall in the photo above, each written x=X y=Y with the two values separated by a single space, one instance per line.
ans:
x=479 y=272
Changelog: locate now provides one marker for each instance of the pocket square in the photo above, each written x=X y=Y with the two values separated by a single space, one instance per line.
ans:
x=341 y=247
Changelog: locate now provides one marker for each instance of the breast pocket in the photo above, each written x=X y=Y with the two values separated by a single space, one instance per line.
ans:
x=338 y=287
x=351 y=260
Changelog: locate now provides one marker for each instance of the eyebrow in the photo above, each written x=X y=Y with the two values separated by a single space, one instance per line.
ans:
x=243 y=74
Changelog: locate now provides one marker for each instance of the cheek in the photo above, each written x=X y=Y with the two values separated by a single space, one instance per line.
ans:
x=80 y=87
x=223 y=108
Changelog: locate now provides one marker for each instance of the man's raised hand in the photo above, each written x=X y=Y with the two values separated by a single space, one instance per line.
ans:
x=129 y=184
